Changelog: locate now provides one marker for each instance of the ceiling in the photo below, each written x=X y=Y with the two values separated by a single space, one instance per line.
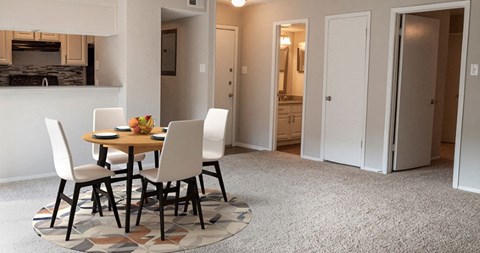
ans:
x=171 y=14
x=249 y=2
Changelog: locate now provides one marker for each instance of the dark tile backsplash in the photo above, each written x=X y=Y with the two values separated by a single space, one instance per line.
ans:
x=67 y=75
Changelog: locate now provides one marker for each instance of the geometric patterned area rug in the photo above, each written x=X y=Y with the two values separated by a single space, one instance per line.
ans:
x=92 y=233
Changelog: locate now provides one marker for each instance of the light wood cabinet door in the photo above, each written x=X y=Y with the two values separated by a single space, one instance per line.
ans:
x=18 y=35
x=289 y=122
x=283 y=127
x=296 y=125
x=5 y=47
x=47 y=36
x=74 y=50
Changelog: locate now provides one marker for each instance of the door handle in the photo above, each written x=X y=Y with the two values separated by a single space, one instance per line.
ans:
x=230 y=83
x=230 y=95
x=433 y=102
x=328 y=98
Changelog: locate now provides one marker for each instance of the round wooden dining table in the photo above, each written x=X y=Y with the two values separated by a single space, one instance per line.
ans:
x=131 y=144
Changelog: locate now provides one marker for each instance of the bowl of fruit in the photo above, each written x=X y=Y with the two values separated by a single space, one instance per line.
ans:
x=141 y=125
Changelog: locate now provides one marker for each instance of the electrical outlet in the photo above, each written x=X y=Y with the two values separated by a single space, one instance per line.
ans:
x=474 y=70
x=202 y=68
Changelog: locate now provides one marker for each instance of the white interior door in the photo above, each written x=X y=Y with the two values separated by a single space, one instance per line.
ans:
x=224 y=77
x=416 y=92
x=346 y=70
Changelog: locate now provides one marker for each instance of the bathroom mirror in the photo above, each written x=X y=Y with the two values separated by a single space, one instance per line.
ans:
x=282 y=70
x=300 y=60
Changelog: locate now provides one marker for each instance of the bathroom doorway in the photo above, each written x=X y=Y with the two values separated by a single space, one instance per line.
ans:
x=288 y=87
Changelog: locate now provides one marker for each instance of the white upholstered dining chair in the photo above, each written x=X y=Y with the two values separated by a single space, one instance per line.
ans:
x=214 y=145
x=107 y=118
x=180 y=160
x=84 y=175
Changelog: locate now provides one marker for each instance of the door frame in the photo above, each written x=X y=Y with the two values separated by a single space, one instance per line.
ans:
x=235 y=78
x=367 y=14
x=391 y=80
x=274 y=85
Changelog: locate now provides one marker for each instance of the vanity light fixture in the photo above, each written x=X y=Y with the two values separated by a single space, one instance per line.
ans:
x=285 y=40
x=238 y=3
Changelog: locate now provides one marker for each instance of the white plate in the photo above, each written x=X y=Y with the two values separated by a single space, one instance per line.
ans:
x=159 y=136
x=105 y=135
x=122 y=128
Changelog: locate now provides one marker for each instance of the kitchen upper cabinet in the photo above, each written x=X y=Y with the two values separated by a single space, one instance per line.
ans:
x=38 y=36
x=47 y=36
x=74 y=50
x=289 y=123
x=5 y=47
x=17 y=35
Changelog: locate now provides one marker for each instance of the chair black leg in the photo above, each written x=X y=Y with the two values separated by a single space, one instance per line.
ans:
x=185 y=207
x=200 y=177
x=165 y=194
x=111 y=200
x=197 y=202
x=142 y=200
x=109 y=167
x=177 y=195
x=160 y=204
x=156 y=154
x=73 y=208
x=220 y=180
x=96 y=200
x=140 y=165
x=57 y=201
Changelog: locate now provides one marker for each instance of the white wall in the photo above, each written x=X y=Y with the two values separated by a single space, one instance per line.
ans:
x=25 y=148
x=89 y=17
x=469 y=177
x=188 y=95
x=254 y=109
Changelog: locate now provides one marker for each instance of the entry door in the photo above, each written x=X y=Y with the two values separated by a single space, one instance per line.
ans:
x=416 y=92
x=224 y=77
x=346 y=69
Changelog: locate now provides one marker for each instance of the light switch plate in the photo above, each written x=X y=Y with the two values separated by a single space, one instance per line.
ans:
x=474 y=70
x=202 y=68
x=244 y=70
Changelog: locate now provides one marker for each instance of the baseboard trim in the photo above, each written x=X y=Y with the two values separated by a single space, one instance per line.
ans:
x=244 y=145
x=371 y=169
x=469 y=189
x=17 y=179
x=312 y=158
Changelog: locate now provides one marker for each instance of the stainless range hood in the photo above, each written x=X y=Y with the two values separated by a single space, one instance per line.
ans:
x=41 y=46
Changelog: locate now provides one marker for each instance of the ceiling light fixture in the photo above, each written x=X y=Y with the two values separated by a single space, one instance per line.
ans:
x=238 y=3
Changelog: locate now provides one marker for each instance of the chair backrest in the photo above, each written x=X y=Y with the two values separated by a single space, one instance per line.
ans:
x=61 y=152
x=181 y=155
x=106 y=118
x=214 y=130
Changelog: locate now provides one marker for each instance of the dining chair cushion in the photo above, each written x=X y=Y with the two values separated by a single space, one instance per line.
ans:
x=211 y=155
x=89 y=172
x=150 y=174
x=118 y=157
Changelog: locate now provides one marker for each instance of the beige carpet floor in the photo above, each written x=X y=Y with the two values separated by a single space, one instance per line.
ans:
x=305 y=206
